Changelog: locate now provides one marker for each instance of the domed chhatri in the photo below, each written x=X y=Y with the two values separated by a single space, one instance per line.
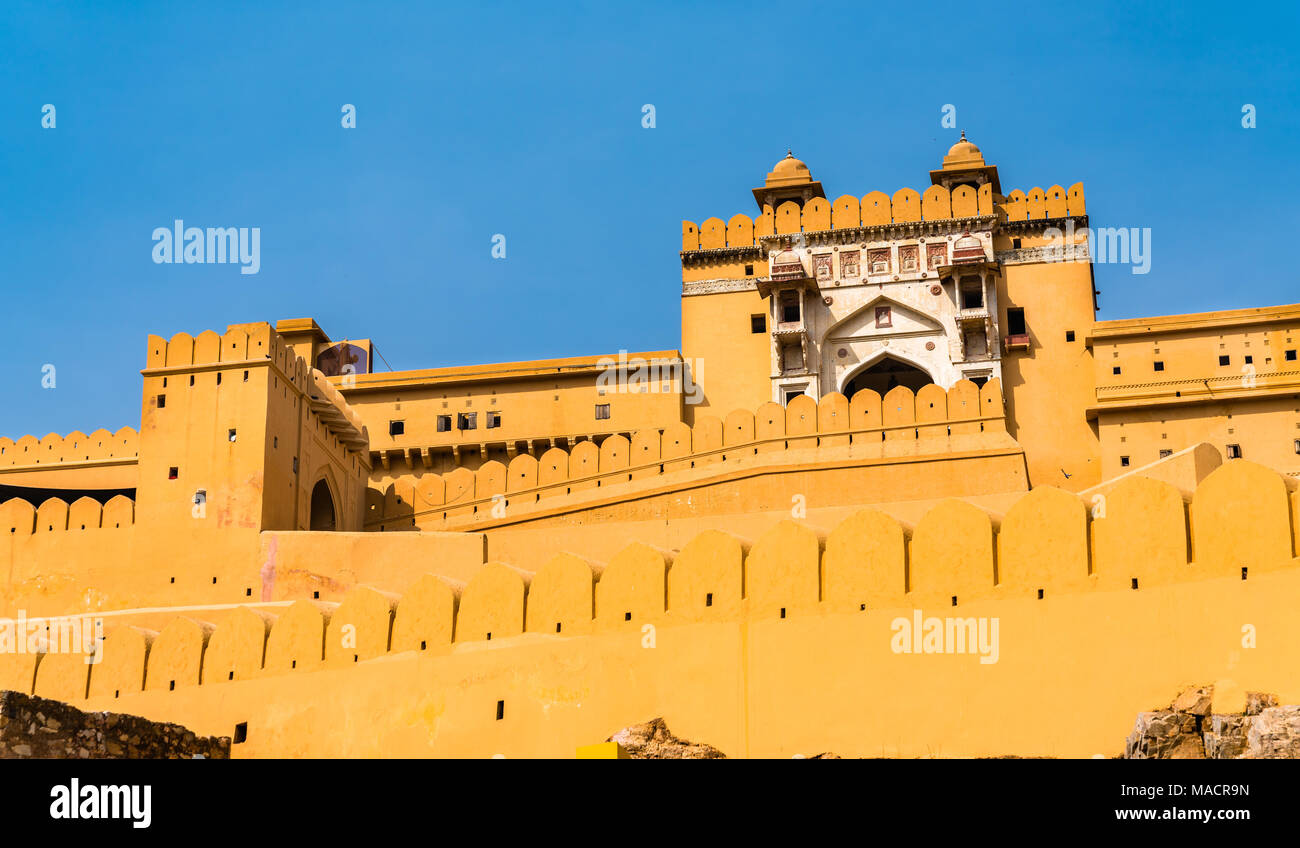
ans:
x=965 y=165
x=789 y=179
x=963 y=154
x=790 y=167
x=963 y=147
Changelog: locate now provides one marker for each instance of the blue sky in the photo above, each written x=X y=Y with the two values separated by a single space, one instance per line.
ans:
x=485 y=118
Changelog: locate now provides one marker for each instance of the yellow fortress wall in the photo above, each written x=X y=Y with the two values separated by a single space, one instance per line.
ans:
x=777 y=647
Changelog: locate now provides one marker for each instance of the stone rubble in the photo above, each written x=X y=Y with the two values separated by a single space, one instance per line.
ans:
x=1188 y=729
x=653 y=740
x=42 y=728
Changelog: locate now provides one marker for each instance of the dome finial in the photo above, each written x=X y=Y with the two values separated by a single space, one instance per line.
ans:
x=963 y=135
x=789 y=153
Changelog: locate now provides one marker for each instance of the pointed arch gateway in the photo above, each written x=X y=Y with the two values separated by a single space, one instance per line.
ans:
x=324 y=515
x=884 y=373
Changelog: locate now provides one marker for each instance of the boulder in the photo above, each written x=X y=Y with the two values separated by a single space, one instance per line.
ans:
x=1274 y=734
x=652 y=740
x=1257 y=702
x=1165 y=735
x=1226 y=737
x=1194 y=701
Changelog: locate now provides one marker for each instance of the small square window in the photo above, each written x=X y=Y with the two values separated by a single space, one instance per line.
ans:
x=1224 y=360
x=1016 y=322
x=493 y=420
x=162 y=401
x=173 y=473
x=1069 y=335
x=749 y=270
x=1249 y=359
x=1015 y=244
x=466 y=420
x=1160 y=365
x=758 y=323
x=1297 y=446
x=1165 y=453
x=602 y=411
x=1115 y=370
x=396 y=428
x=444 y=423
x=1290 y=356
x=1123 y=461
x=1234 y=451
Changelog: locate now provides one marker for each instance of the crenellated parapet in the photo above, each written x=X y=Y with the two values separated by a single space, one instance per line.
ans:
x=74 y=447
x=258 y=344
x=255 y=343
x=878 y=209
x=1036 y=204
x=19 y=518
x=711 y=445
x=1142 y=534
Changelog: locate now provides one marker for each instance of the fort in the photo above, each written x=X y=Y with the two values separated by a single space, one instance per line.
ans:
x=885 y=403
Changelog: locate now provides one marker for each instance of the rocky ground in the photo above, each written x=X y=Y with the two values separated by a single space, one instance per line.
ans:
x=1189 y=730
x=39 y=727
x=653 y=740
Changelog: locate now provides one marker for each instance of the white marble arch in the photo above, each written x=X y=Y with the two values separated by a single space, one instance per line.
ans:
x=915 y=338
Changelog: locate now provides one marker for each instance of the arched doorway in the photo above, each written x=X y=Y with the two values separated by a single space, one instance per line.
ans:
x=322 y=507
x=884 y=375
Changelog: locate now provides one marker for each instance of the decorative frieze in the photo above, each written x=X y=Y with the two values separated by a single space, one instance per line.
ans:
x=1046 y=253
x=720 y=286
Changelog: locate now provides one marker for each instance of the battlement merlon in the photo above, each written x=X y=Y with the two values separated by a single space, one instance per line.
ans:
x=963 y=189
x=256 y=345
